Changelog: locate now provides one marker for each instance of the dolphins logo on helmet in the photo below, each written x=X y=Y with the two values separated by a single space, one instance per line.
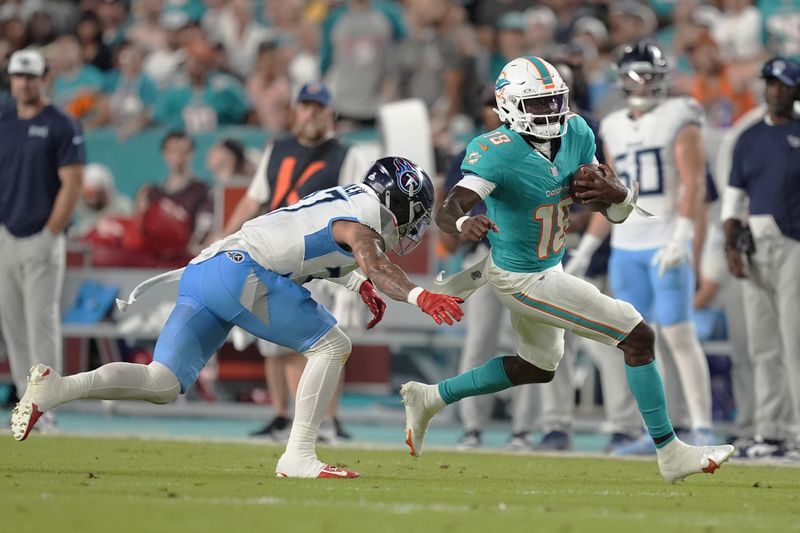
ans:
x=532 y=98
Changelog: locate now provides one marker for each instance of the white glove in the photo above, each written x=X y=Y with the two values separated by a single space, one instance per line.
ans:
x=582 y=256
x=676 y=251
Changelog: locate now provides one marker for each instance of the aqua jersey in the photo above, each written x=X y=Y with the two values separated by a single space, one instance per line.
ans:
x=530 y=203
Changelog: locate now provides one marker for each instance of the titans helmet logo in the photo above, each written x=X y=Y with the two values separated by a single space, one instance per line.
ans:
x=407 y=178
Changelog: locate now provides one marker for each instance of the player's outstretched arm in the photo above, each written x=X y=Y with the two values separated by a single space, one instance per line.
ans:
x=367 y=247
x=458 y=203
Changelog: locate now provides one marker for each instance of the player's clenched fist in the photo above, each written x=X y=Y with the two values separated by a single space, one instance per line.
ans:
x=441 y=307
x=475 y=228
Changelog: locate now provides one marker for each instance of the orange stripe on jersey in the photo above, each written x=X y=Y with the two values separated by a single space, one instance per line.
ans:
x=283 y=182
x=310 y=170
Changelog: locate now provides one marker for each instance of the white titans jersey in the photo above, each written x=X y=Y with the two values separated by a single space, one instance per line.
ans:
x=644 y=149
x=296 y=241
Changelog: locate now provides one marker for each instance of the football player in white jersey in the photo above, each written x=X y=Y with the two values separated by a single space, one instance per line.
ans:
x=657 y=142
x=253 y=279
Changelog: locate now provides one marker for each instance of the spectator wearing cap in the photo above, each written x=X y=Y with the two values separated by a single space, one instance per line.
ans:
x=311 y=158
x=764 y=193
x=356 y=57
x=269 y=90
x=99 y=198
x=204 y=98
x=41 y=167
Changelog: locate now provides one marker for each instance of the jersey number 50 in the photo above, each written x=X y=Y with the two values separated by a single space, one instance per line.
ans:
x=648 y=170
x=553 y=221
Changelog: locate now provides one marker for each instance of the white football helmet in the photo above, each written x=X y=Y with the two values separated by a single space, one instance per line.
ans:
x=532 y=98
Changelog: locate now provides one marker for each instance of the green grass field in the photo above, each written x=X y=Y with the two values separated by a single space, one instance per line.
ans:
x=78 y=484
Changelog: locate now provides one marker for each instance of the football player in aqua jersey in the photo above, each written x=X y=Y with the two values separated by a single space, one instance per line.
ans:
x=657 y=141
x=253 y=279
x=522 y=171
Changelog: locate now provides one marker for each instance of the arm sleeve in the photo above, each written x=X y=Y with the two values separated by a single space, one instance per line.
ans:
x=351 y=281
x=71 y=145
x=259 y=189
x=477 y=184
x=735 y=203
x=353 y=168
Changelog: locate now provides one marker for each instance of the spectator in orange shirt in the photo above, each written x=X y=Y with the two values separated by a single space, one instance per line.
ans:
x=724 y=96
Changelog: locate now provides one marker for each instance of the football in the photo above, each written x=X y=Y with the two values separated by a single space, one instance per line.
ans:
x=588 y=172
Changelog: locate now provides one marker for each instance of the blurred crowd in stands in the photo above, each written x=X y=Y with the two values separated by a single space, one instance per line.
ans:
x=191 y=66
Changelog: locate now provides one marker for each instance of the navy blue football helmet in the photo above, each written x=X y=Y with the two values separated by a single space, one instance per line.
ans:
x=643 y=70
x=406 y=191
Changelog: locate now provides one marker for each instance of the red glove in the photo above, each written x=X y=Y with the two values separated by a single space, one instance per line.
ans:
x=373 y=300
x=441 y=306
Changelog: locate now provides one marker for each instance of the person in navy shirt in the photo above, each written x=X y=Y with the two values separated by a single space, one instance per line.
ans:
x=764 y=188
x=41 y=167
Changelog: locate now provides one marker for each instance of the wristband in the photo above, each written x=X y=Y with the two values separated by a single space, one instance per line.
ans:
x=413 y=295
x=619 y=212
x=460 y=222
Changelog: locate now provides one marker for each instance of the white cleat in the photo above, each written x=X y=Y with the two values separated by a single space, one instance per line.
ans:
x=310 y=468
x=422 y=402
x=40 y=396
x=678 y=460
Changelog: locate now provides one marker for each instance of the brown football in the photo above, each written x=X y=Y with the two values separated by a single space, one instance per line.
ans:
x=588 y=172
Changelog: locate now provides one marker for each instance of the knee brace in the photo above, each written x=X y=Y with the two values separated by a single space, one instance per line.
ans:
x=334 y=345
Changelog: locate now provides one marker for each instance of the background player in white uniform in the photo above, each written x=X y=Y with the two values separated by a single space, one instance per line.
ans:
x=253 y=279
x=658 y=142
